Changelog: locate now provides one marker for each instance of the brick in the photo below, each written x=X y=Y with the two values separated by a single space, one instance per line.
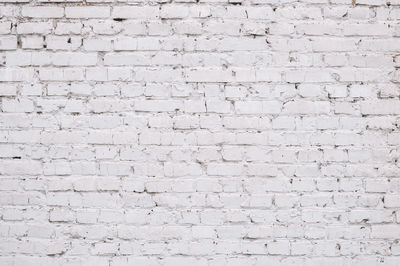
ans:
x=8 y=43
x=61 y=74
x=256 y=107
x=380 y=107
x=8 y=89
x=68 y=28
x=385 y=231
x=75 y=59
x=304 y=107
x=210 y=132
x=32 y=42
x=42 y=12
x=16 y=74
x=63 y=42
x=87 y=12
x=34 y=28
x=97 y=45
x=17 y=105
x=14 y=1
x=224 y=169
x=146 y=12
x=5 y=27
x=174 y=11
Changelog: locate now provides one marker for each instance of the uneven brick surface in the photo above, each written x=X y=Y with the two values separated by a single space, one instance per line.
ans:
x=202 y=133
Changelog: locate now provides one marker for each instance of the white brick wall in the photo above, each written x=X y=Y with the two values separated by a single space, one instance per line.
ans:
x=199 y=132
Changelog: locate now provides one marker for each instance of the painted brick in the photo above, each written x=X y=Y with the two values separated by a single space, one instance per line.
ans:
x=204 y=133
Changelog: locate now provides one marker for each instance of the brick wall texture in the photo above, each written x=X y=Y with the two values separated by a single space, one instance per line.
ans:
x=199 y=132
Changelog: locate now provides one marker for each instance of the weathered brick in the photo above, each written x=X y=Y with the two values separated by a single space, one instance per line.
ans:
x=211 y=132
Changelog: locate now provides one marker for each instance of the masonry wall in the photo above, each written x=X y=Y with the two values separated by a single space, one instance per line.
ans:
x=203 y=133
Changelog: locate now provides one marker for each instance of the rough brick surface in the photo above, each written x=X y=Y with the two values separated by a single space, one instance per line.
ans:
x=204 y=133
